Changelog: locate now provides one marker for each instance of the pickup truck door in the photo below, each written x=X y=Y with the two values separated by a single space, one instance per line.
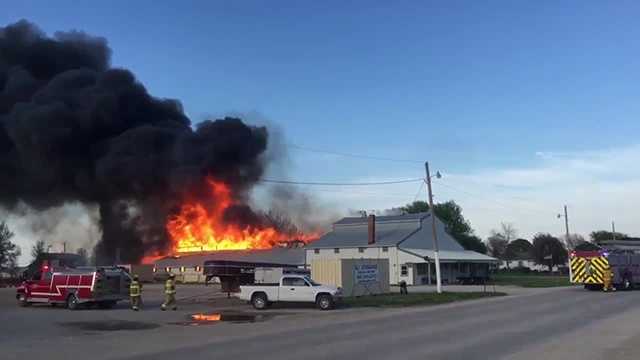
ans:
x=295 y=289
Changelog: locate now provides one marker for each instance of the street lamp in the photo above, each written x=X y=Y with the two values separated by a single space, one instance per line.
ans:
x=436 y=253
x=566 y=222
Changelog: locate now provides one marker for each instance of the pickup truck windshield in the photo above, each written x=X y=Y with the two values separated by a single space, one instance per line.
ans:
x=313 y=283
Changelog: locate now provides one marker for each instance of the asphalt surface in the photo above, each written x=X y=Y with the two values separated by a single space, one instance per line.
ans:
x=565 y=323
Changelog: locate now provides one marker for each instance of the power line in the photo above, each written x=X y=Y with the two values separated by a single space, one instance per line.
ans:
x=415 y=198
x=340 y=184
x=358 y=156
x=488 y=199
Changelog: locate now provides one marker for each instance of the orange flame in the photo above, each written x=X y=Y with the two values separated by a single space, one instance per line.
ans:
x=206 y=317
x=196 y=228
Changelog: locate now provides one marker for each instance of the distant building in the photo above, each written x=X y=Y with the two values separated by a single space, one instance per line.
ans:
x=407 y=242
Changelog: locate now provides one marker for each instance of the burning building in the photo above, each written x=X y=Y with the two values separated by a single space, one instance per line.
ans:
x=74 y=129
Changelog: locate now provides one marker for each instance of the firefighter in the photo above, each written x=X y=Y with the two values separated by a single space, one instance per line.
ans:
x=135 y=292
x=607 y=280
x=170 y=293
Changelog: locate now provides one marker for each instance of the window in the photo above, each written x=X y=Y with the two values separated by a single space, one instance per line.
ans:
x=361 y=250
x=294 y=282
x=404 y=271
x=336 y=251
x=385 y=249
x=421 y=269
x=316 y=251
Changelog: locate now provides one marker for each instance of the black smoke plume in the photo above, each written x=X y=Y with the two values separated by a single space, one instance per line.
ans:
x=74 y=129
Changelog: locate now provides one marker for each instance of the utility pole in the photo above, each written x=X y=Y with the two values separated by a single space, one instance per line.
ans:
x=64 y=246
x=613 y=230
x=566 y=221
x=433 y=229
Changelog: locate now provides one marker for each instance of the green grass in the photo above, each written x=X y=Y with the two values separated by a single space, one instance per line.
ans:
x=530 y=280
x=414 y=299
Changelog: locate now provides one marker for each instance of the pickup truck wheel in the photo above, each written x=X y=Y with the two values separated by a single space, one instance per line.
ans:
x=324 y=302
x=22 y=300
x=72 y=302
x=259 y=301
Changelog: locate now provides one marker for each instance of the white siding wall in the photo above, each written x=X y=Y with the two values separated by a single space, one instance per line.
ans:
x=396 y=259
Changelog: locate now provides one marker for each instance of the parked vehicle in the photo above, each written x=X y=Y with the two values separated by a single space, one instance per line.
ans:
x=272 y=275
x=72 y=287
x=588 y=267
x=291 y=288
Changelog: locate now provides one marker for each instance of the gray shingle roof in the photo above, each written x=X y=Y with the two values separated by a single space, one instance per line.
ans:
x=410 y=231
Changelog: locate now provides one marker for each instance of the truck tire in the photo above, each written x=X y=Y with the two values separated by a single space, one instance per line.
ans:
x=22 y=300
x=72 y=302
x=324 y=302
x=259 y=301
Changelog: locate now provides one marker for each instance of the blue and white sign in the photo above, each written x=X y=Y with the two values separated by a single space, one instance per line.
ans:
x=365 y=274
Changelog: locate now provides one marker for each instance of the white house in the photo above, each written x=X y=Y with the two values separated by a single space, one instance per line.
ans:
x=407 y=241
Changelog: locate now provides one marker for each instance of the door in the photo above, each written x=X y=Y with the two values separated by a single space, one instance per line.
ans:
x=40 y=285
x=296 y=289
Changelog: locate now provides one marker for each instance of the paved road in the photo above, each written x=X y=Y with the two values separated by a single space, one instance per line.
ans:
x=564 y=323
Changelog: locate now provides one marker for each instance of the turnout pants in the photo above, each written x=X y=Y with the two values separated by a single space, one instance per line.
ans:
x=169 y=302
x=135 y=302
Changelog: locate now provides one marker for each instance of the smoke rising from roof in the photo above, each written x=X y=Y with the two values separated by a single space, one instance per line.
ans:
x=73 y=129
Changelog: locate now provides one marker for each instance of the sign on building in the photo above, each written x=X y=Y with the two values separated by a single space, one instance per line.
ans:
x=365 y=274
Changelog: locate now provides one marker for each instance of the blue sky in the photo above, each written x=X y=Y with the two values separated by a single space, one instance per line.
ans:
x=483 y=90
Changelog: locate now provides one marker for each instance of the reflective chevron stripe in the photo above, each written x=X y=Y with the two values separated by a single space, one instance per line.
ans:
x=588 y=270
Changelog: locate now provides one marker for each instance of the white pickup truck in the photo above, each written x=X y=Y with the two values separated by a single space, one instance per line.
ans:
x=291 y=288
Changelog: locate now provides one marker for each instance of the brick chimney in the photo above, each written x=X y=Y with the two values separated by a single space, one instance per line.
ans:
x=372 y=229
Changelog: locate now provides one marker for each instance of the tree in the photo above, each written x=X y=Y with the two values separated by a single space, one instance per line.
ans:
x=548 y=250
x=416 y=207
x=603 y=235
x=499 y=240
x=472 y=242
x=519 y=249
x=38 y=249
x=497 y=245
x=457 y=226
x=281 y=222
x=9 y=252
x=573 y=241
x=508 y=231
x=84 y=254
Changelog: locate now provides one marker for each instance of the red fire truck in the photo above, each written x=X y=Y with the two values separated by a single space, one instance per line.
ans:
x=55 y=282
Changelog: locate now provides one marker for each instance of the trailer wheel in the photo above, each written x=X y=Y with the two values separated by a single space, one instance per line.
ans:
x=72 y=302
x=22 y=300
x=259 y=301
x=324 y=302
